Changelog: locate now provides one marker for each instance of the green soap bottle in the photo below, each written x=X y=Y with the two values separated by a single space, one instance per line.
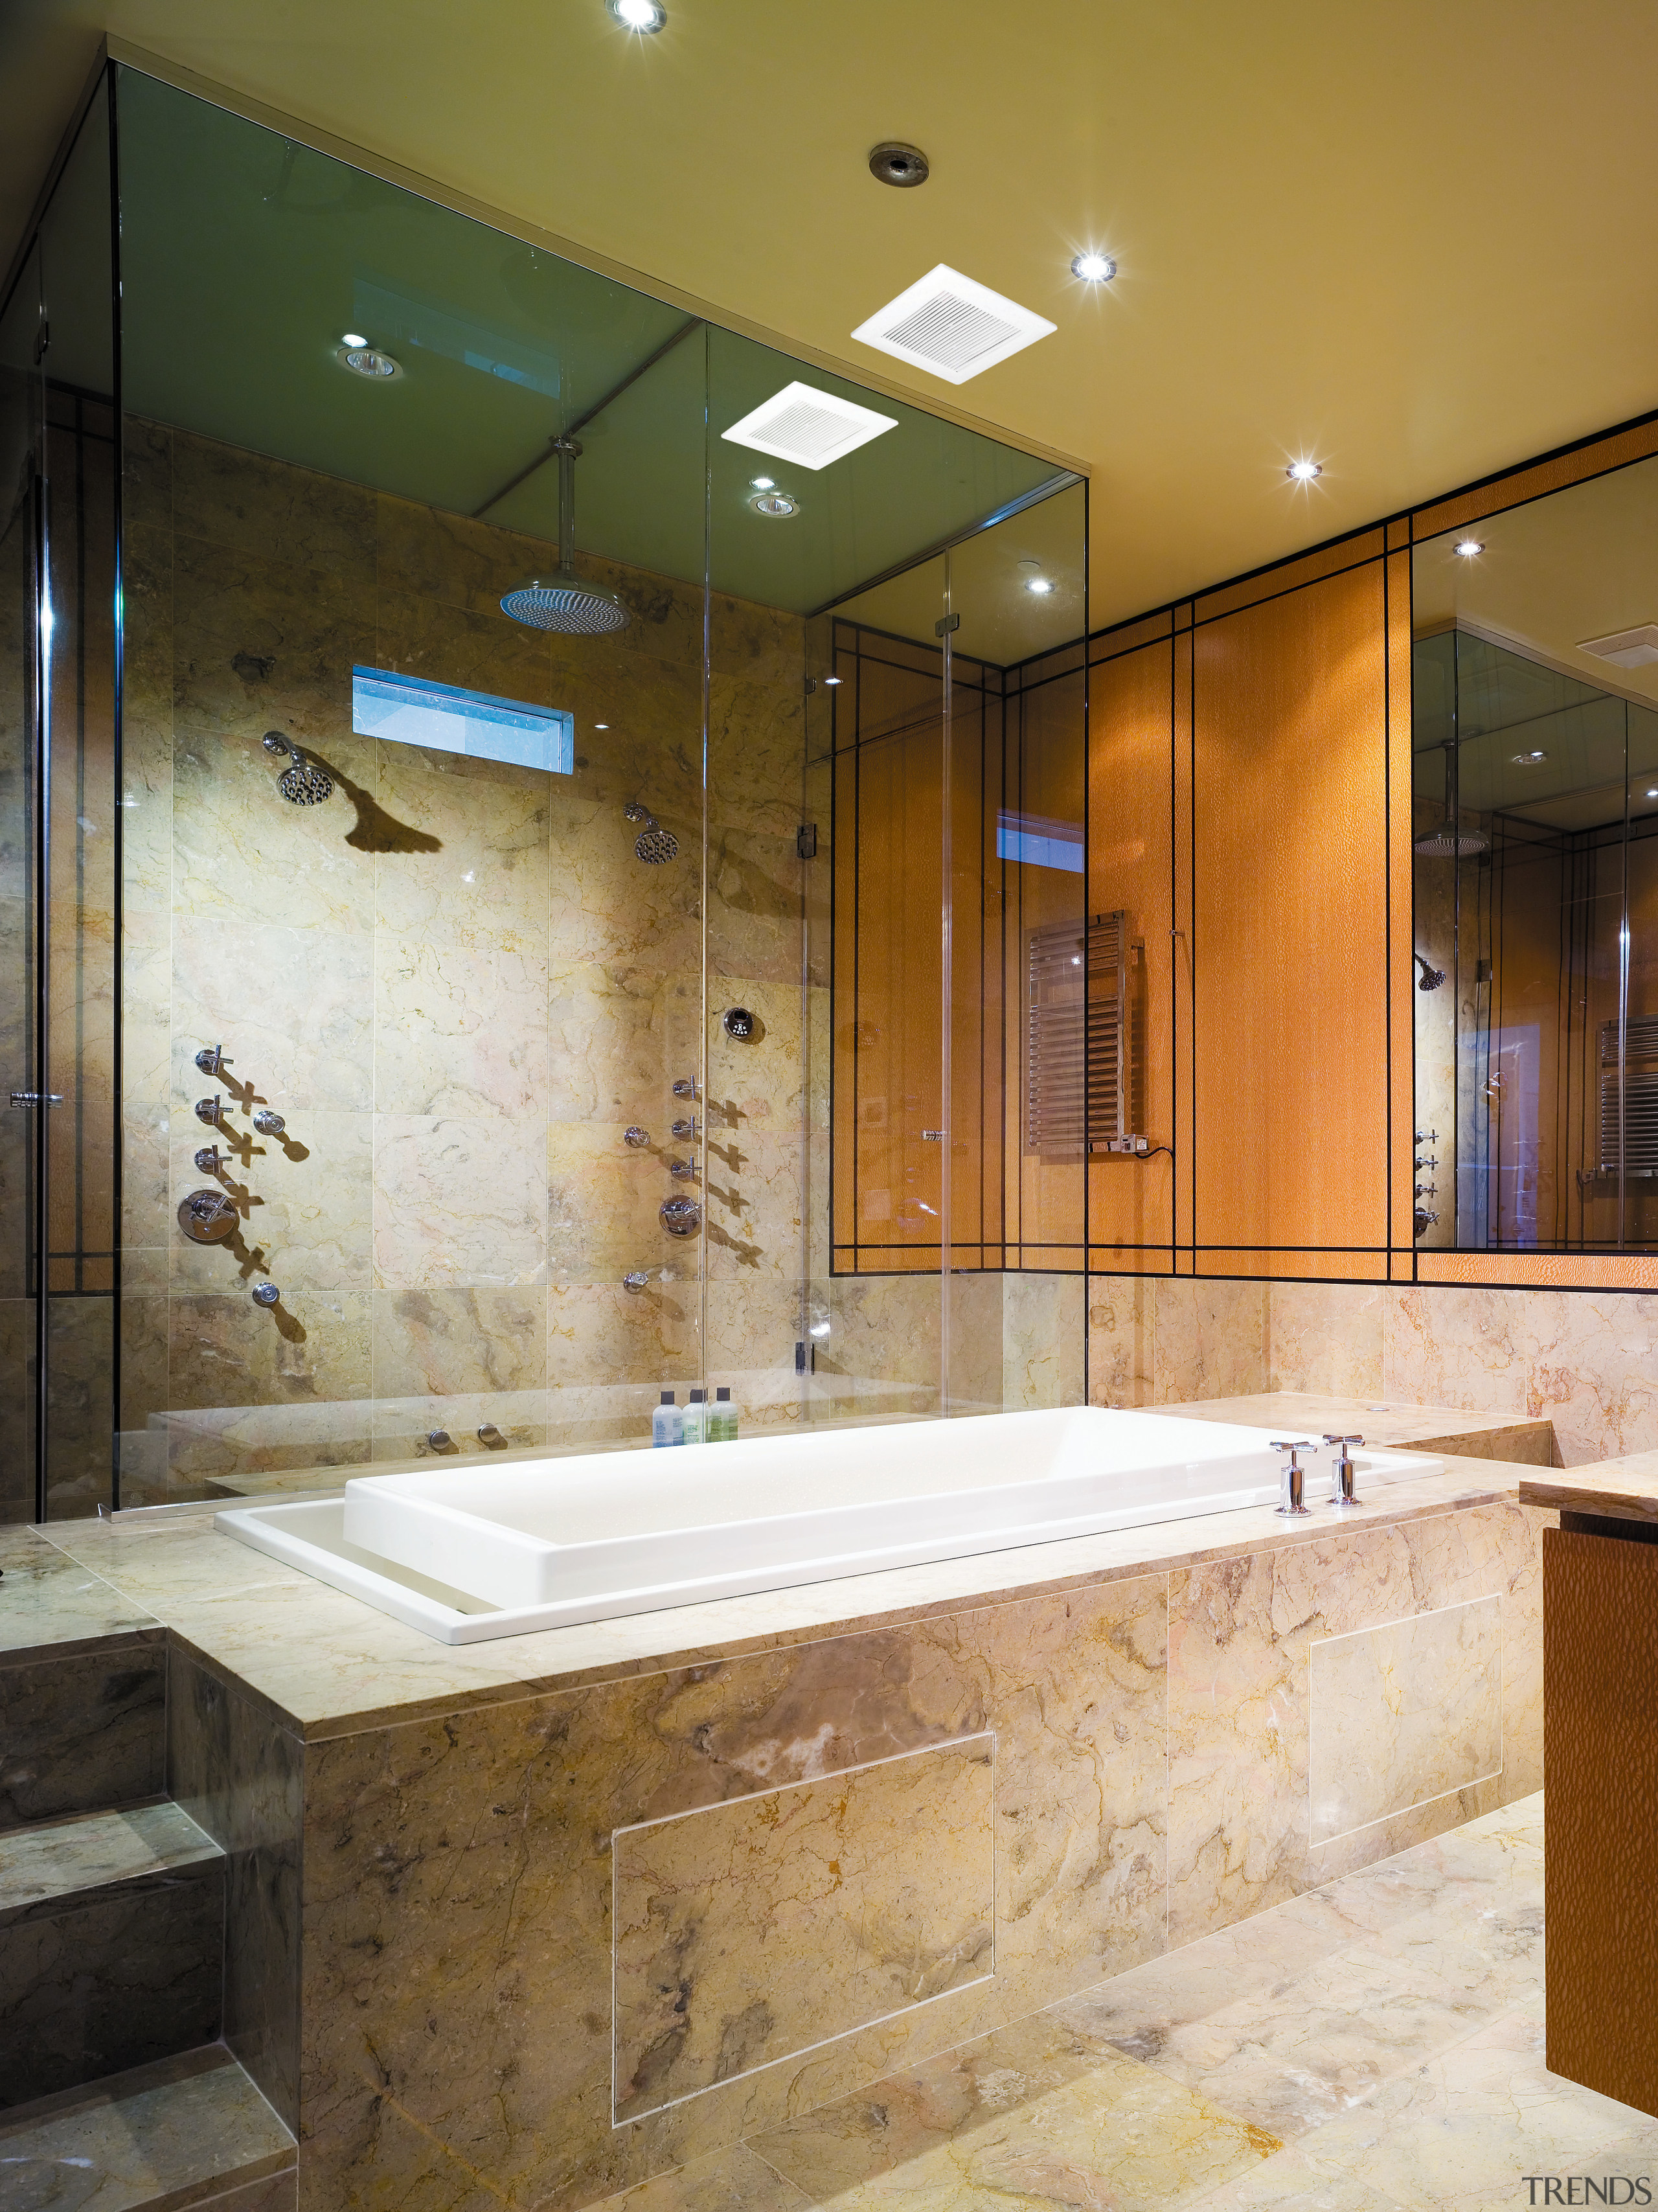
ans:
x=722 y=1424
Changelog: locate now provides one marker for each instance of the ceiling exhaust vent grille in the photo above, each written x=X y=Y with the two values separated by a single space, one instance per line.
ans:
x=808 y=427
x=1625 y=648
x=952 y=327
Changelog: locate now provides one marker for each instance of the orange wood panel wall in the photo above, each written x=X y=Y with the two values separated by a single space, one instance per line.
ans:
x=1290 y=929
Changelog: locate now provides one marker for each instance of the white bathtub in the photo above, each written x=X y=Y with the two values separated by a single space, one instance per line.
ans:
x=500 y=1546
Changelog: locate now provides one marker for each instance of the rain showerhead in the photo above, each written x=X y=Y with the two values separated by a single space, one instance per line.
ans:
x=561 y=602
x=1450 y=840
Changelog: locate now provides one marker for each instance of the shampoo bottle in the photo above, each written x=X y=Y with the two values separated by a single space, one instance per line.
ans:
x=695 y=1420
x=667 y=1422
x=723 y=1428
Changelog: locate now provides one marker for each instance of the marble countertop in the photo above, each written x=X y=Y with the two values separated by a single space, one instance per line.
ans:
x=326 y=1664
x=1623 y=1489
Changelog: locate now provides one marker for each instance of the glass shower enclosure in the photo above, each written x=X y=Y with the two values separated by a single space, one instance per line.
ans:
x=530 y=820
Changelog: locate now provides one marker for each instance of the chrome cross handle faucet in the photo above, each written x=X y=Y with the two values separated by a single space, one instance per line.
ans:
x=1294 y=1475
x=1341 y=1472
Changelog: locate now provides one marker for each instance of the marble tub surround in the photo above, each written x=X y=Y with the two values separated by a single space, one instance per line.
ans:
x=1624 y=1489
x=1513 y=1440
x=610 y=1814
x=1584 y=1361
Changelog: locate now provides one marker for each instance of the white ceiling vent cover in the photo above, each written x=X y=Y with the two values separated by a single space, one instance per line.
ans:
x=952 y=327
x=808 y=427
x=1625 y=648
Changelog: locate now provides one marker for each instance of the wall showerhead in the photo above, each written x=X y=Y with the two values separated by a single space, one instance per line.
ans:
x=561 y=602
x=1432 y=977
x=303 y=784
x=653 y=844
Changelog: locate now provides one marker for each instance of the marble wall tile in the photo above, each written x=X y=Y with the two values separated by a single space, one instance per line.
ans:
x=247 y=503
x=749 y=1931
x=460 y=1201
x=293 y=1009
x=430 y=1342
x=754 y=1086
x=1042 y=1344
x=80 y=1404
x=603 y=1201
x=425 y=554
x=608 y=1051
x=599 y=1333
x=1403 y=1712
x=146 y=1188
x=461 y=847
x=754 y=1197
x=146 y=791
x=756 y=750
x=458 y=1028
x=240 y=1776
x=1121 y=1338
x=241 y=853
x=146 y=473
x=1209 y=1338
x=753 y=1326
x=255 y=1387
x=607 y=908
x=476 y=1423
x=17 y=1343
x=757 y=644
x=754 y=909
x=146 y=1006
x=1325 y=1337
x=304 y=1198
x=80 y=1731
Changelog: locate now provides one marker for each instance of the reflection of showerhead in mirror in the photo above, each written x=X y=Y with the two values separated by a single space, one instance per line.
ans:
x=1450 y=840
x=1432 y=977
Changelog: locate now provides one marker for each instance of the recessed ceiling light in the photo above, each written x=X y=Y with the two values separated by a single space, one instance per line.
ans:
x=1527 y=760
x=1094 y=268
x=1469 y=548
x=352 y=338
x=775 y=503
x=1302 y=472
x=895 y=161
x=639 y=15
x=763 y=483
x=952 y=327
x=367 y=360
x=809 y=426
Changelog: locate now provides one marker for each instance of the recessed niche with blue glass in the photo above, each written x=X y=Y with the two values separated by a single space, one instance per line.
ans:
x=411 y=711
x=1039 y=841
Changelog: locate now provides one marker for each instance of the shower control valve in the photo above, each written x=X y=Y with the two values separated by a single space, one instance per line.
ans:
x=211 y=1059
x=1424 y=1136
x=1294 y=1475
x=685 y=1087
x=207 y=1217
x=269 y=1124
x=682 y=1168
x=1341 y=1473
x=635 y=1281
x=1431 y=1162
x=265 y=1294
x=686 y=1126
x=207 y=1109
x=209 y=1159
x=637 y=1137
x=1425 y=1190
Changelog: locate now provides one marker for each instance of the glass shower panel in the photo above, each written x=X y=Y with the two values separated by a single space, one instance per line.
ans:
x=1028 y=1012
x=21 y=686
x=413 y=890
x=80 y=841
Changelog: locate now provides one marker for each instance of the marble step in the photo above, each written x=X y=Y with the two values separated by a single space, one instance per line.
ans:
x=111 y=1943
x=82 y=1687
x=188 y=2131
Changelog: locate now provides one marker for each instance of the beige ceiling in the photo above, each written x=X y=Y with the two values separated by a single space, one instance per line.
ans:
x=1417 y=241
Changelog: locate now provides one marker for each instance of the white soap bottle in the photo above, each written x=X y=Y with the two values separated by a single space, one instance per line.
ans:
x=696 y=1419
x=667 y=1423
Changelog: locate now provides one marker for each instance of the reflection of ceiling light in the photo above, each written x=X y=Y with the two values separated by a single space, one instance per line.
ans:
x=775 y=503
x=1527 y=760
x=1094 y=268
x=809 y=426
x=639 y=15
x=763 y=483
x=1468 y=548
x=601 y=726
x=1653 y=794
x=367 y=360
x=352 y=338
x=818 y=1328
x=952 y=327
x=832 y=679
x=1625 y=648
x=1302 y=472
x=1041 y=585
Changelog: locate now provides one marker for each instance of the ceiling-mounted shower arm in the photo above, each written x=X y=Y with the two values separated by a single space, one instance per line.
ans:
x=556 y=441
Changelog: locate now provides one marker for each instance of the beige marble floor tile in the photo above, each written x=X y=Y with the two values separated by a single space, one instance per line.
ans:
x=1028 y=2117
x=1286 y=2182
x=735 y=2180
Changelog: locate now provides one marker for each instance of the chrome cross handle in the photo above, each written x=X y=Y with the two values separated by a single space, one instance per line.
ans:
x=1341 y=1473
x=1294 y=1475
